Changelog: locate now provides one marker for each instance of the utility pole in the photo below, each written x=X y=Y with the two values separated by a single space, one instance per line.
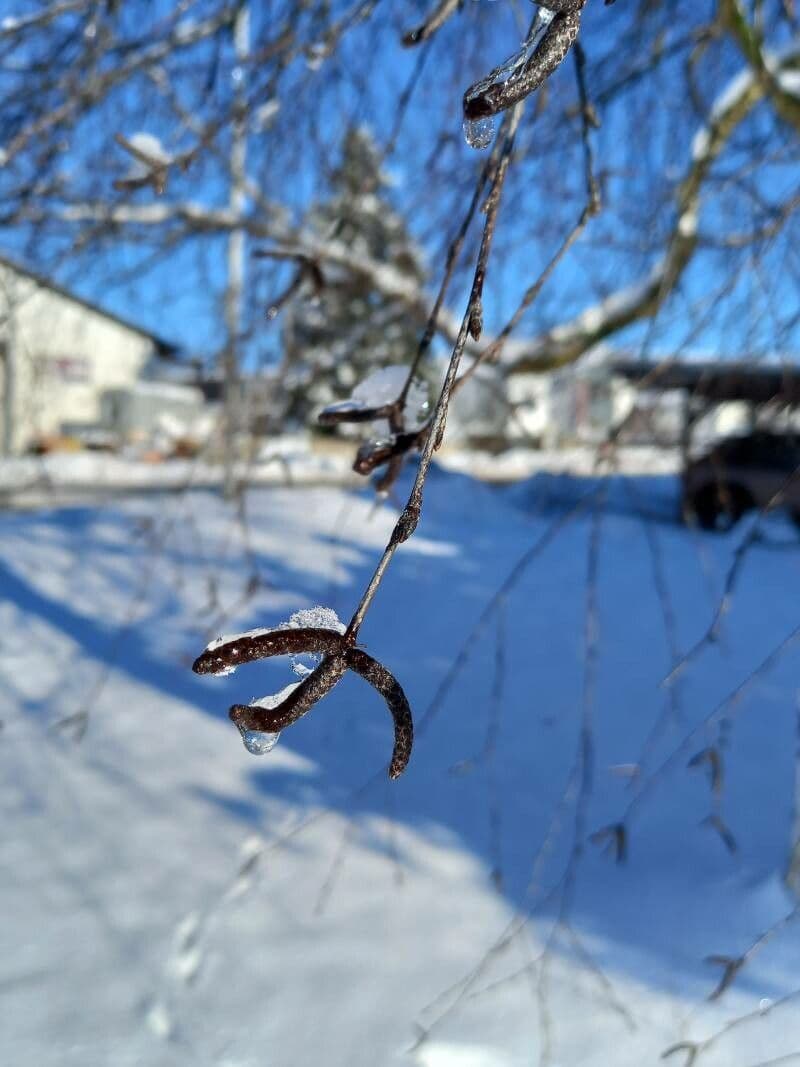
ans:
x=234 y=292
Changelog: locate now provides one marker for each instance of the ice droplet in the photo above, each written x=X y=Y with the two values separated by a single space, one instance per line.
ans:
x=258 y=742
x=478 y=133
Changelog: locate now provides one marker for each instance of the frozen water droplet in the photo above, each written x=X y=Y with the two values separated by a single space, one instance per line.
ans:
x=478 y=133
x=258 y=742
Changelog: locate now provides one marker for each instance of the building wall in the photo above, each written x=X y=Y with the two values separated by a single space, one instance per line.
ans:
x=63 y=356
x=569 y=406
x=534 y=410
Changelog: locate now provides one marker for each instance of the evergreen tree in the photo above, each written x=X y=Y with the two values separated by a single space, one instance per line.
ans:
x=335 y=337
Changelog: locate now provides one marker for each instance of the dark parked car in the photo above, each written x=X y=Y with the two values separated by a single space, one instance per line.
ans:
x=742 y=473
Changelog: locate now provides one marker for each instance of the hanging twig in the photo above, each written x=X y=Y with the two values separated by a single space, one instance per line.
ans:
x=340 y=655
x=516 y=79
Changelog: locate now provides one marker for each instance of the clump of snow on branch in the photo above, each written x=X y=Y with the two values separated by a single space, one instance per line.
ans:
x=265 y=114
x=147 y=144
x=150 y=163
x=319 y=617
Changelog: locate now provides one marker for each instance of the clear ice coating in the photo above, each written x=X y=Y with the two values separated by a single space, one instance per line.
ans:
x=383 y=386
x=540 y=23
x=343 y=407
x=259 y=742
x=303 y=664
x=478 y=133
x=380 y=387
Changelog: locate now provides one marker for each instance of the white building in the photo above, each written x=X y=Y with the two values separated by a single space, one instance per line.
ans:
x=575 y=405
x=59 y=355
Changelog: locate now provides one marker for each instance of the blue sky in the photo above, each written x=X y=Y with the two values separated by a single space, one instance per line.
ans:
x=641 y=149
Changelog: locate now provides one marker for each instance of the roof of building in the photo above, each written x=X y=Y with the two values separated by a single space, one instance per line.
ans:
x=164 y=348
x=717 y=381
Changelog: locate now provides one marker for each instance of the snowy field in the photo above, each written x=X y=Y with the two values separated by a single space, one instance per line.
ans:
x=167 y=898
x=292 y=461
x=286 y=461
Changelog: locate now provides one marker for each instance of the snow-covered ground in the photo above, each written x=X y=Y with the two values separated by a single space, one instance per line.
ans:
x=289 y=461
x=514 y=464
x=293 y=460
x=167 y=898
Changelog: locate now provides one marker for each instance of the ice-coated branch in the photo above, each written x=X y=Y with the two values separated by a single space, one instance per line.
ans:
x=553 y=32
x=387 y=685
x=261 y=721
x=298 y=703
x=226 y=654
x=409 y=517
